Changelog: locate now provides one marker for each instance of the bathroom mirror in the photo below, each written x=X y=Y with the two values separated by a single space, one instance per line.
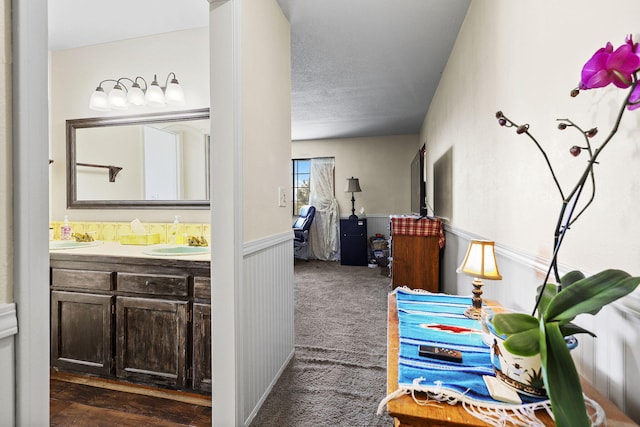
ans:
x=139 y=161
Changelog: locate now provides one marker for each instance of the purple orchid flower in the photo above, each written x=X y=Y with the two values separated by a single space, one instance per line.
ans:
x=634 y=98
x=607 y=66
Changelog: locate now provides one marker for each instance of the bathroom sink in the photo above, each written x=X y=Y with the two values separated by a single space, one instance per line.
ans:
x=69 y=244
x=177 y=250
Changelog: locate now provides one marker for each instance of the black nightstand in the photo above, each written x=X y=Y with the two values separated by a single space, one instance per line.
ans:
x=353 y=242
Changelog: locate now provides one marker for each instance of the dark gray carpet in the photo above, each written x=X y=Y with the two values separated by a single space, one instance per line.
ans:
x=337 y=376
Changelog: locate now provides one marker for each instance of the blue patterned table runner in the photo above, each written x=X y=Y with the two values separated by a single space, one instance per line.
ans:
x=439 y=320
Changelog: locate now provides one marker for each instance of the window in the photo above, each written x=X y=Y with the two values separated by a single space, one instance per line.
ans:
x=301 y=173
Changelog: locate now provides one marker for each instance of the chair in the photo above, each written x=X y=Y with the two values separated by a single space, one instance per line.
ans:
x=301 y=232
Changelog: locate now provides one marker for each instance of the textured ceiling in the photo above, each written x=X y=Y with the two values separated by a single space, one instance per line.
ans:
x=367 y=67
x=359 y=67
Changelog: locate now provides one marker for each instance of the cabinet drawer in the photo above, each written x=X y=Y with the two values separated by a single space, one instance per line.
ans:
x=152 y=284
x=81 y=279
x=202 y=288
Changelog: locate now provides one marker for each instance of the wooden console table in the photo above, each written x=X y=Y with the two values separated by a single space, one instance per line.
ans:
x=407 y=413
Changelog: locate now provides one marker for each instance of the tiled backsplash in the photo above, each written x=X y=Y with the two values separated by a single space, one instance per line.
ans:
x=111 y=231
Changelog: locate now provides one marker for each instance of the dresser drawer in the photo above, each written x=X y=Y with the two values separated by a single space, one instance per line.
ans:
x=202 y=288
x=152 y=284
x=81 y=279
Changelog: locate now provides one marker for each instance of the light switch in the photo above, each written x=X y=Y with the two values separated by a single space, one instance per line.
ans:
x=282 y=197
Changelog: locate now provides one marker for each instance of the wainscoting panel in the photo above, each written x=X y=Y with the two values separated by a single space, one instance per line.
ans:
x=266 y=318
x=8 y=330
x=610 y=362
x=378 y=224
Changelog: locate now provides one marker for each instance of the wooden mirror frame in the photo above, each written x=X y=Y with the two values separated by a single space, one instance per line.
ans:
x=73 y=125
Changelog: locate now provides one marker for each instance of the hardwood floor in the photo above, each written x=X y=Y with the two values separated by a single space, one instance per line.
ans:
x=78 y=401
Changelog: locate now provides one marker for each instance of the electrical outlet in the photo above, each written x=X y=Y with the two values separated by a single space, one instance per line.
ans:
x=282 y=197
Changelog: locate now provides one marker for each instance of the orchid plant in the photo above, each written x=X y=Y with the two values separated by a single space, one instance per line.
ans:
x=557 y=304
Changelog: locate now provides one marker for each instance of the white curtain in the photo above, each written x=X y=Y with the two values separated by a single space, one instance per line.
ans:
x=323 y=236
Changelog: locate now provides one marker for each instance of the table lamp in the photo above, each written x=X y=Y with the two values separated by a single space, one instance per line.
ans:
x=353 y=186
x=480 y=263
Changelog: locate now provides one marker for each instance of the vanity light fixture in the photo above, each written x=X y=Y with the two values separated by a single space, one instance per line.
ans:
x=120 y=96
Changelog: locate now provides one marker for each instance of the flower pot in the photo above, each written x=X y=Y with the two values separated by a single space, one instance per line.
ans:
x=522 y=373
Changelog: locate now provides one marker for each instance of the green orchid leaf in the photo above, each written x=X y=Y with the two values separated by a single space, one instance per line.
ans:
x=589 y=295
x=572 y=329
x=550 y=291
x=561 y=379
x=526 y=343
x=511 y=323
x=571 y=277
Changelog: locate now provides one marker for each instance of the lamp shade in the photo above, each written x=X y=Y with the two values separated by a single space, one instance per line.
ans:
x=353 y=185
x=154 y=95
x=480 y=261
x=174 y=94
x=118 y=98
x=136 y=95
x=99 y=100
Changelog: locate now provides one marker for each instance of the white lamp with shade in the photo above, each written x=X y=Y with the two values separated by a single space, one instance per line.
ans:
x=479 y=263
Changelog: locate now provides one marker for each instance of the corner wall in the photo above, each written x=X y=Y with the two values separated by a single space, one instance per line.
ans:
x=252 y=258
x=8 y=317
x=6 y=182
x=524 y=58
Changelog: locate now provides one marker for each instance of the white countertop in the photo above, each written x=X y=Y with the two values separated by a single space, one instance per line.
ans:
x=134 y=251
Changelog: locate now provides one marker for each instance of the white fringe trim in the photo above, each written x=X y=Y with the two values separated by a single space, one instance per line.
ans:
x=495 y=414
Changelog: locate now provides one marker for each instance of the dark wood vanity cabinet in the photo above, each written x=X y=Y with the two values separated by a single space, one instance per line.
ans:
x=140 y=320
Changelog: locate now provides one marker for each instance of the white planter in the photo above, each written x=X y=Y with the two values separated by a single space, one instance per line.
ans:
x=524 y=374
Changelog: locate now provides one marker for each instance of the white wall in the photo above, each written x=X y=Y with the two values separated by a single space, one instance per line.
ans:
x=524 y=58
x=74 y=75
x=382 y=164
x=266 y=118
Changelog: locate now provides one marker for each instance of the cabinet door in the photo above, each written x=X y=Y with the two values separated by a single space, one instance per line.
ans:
x=202 y=347
x=82 y=332
x=152 y=338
